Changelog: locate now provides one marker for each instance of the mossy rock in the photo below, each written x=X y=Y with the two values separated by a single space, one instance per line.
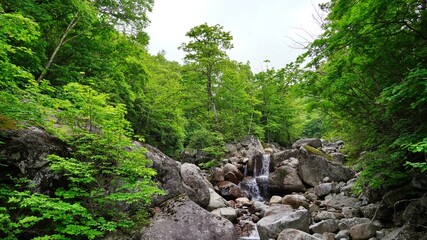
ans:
x=312 y=150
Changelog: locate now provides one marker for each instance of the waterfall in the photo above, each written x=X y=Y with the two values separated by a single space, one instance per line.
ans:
x=257 y=185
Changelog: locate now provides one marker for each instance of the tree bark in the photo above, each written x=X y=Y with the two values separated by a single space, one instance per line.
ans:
x=70 y=26
x=211 y=96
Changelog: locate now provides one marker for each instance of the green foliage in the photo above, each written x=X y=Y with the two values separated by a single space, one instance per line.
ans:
x=209 y=142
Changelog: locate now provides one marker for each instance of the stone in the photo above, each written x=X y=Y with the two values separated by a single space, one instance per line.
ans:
x=231 y=177
x=258 y=206
x=376 y=210
x=198 y=190
x=230 y=168
x=181 y=218
x=314 y=142
x=227 y=213
x=218 y=175
x=343 y=234
x=281 y=218
x=313 y=169
x=24 y=153
x=339 y=201
x=324 y=215
x=281 y=156
x=275 y=200
x=168 y=175
x=347 y=212
x=328 y=236
x=268 y=151
x=284 y=180
x=216 y=201
x=363 y=231
x=323 y=189
x=329 y=225
x=230 y=190
x=243 y=200
x=406 y=192
x=338 y=157
x=347 y=223
x=293 y=234
x=416 y=212
x=295 y=201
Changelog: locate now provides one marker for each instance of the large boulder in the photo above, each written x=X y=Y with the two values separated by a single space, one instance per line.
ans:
x=340 y=201
x=281 y=218
x=281 y=156
x=230 y=191
x=295 y=234
x=232 y=173
x=314 y=142
x=195 y=185
x=168 y=174
x=180 y=218
x=363 y=231
x=285 y=180
x=216 y=201
x=313 y=169
x=24 y=154
x=329 y=225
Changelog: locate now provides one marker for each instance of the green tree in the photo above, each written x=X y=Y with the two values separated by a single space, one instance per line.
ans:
x=206 y=50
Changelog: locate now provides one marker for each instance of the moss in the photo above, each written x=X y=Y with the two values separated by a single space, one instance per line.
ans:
x=312 y=150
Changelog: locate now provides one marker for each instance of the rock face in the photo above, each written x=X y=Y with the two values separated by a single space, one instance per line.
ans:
x=314 y=142
x=285 y=180
x=24 y=155
x=313 y=169
x=282 y=218
x=168 y=174
x=196 y=186
x=180 y=218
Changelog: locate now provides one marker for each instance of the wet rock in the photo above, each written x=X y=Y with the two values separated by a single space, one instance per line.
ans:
x=293 y=234
x=230 y=190
x=274 y=222
x=313 y=169
x=329 y=225
x=181 y=218
x=363 y=231
x=285 y=179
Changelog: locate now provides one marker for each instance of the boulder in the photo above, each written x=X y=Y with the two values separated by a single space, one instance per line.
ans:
x=24 y=154
x=230 y=190
x=338 y=157
x=168 y=174
x=275 y=200
x=180 y=218
x=217 y=175
x=405 y=233
x=284 y=180
x=230 y=168
x=293 y=234
x=347 y=223
x=313 y=169
x=343 y=234
x=281 y=218
x=295 y=201
x=281 y=156
x=416 y=212
x=363 y=231
x=339 y=201
x=324 y=215
x=323 y=189
x=216 y=201
x=329 y=225
x=314 y=142
x=198 y=186
x=227 y=213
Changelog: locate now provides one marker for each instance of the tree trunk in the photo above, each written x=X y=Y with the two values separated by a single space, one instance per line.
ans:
x=70 y=26
x=211 y=96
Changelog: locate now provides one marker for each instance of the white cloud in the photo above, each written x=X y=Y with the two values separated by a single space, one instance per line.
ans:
x=261 y=29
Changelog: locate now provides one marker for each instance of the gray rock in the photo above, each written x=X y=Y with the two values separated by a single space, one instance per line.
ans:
x=198 y=190
x=416 y=212
x=314 y=142
x=375 y=210
x=313 y=169
x=24 y=153
x=282 y=217
x=275 y=200
x=293 y=234
x=295 y=201
x=328 y=236
x=284 y=180
x=337 y=157
x=347 y=223
x=324 y=215
x=168 y=175
x=323 y=189
x=339 y=201
x=230 y=190
x=342 y=234
x=363 y=231
x=227 y=213
x=279 y=157
x=181 y=218
x=329 y=225
x=216 y=201
x=258 y=206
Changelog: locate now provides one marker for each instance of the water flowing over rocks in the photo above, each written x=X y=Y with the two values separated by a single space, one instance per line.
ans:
x=271 y=193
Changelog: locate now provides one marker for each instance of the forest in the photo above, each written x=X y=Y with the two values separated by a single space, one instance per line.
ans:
x=80 y=70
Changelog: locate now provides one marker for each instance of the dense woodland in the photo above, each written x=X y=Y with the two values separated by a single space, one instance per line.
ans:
x=80 y=70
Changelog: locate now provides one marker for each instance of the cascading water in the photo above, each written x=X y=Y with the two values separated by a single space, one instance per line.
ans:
x=257 y=185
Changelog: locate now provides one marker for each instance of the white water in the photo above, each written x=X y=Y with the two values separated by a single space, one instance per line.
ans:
x=257 y=184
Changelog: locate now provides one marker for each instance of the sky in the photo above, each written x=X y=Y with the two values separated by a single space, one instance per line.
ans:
x=270 y=30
